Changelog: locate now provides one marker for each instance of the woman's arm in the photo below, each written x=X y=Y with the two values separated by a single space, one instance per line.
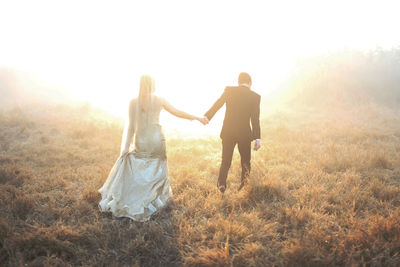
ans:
x=180 y=114
x=129 y=129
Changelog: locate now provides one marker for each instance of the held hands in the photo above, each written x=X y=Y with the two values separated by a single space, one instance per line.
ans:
x=203 y=120
x=257 y=145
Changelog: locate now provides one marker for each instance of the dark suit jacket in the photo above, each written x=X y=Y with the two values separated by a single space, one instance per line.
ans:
x=242 y=106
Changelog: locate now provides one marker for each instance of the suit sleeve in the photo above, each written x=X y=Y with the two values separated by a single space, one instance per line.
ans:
x=255 y=119
x=217 y=105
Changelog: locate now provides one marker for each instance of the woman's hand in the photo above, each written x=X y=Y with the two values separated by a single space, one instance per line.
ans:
x=124 y=152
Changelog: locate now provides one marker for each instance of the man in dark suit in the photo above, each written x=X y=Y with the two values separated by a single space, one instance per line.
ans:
x=242 y=107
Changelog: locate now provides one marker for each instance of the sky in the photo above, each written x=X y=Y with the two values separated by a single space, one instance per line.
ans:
x=97 y=50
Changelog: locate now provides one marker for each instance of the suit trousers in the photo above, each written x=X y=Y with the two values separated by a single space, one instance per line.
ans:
x=228 y=146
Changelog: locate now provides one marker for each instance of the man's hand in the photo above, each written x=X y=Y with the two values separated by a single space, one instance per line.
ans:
x=257 y=145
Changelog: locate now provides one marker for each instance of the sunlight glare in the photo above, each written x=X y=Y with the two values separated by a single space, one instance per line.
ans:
x=97 y=50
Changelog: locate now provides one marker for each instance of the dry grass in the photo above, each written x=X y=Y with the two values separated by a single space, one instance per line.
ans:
x=324 y=191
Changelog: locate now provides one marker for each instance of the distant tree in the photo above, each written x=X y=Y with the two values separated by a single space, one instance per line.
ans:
x=347 y=77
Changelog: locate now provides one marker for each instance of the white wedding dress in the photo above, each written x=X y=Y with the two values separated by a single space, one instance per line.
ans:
x=138 y=184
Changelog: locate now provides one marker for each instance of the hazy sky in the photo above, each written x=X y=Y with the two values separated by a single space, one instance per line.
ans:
x=99 y=49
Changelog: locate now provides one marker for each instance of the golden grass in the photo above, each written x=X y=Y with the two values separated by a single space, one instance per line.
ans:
x=324 y=191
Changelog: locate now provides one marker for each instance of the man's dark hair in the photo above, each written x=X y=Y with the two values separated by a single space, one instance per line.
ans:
x=244 y=77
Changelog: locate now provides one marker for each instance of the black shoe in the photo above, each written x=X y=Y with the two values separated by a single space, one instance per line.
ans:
x=221 y=188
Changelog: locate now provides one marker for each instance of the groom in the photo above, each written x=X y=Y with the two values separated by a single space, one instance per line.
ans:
x=242 y=107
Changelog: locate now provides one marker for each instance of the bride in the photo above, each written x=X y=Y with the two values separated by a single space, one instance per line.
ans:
x=138 y=184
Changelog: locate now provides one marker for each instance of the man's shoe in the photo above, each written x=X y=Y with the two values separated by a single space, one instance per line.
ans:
x=242 y=184
x=221 y=188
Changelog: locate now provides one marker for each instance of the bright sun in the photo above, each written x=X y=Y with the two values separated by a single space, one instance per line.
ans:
x=97 y=50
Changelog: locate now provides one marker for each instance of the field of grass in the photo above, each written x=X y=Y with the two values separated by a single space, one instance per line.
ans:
x=324 y=191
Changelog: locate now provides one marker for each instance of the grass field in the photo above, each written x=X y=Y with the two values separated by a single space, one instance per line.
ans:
x=324 y=191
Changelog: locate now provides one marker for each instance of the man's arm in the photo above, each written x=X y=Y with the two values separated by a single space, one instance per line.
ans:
x=255 y=119
x=217 y=105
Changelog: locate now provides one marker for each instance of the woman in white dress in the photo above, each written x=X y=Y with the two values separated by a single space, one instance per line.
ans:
x=138 y=184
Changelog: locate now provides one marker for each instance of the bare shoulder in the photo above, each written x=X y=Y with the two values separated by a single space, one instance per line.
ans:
x=132 y=102
x=160 y=100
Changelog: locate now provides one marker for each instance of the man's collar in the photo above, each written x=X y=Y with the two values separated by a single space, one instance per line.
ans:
x=245 y=85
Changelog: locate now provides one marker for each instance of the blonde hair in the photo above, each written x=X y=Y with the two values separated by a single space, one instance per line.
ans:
x=146 y=91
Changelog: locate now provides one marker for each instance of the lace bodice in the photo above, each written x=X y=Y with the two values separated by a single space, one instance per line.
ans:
x=140 y=122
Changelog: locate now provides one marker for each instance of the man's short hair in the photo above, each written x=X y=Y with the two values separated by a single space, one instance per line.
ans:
x=244 y=77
